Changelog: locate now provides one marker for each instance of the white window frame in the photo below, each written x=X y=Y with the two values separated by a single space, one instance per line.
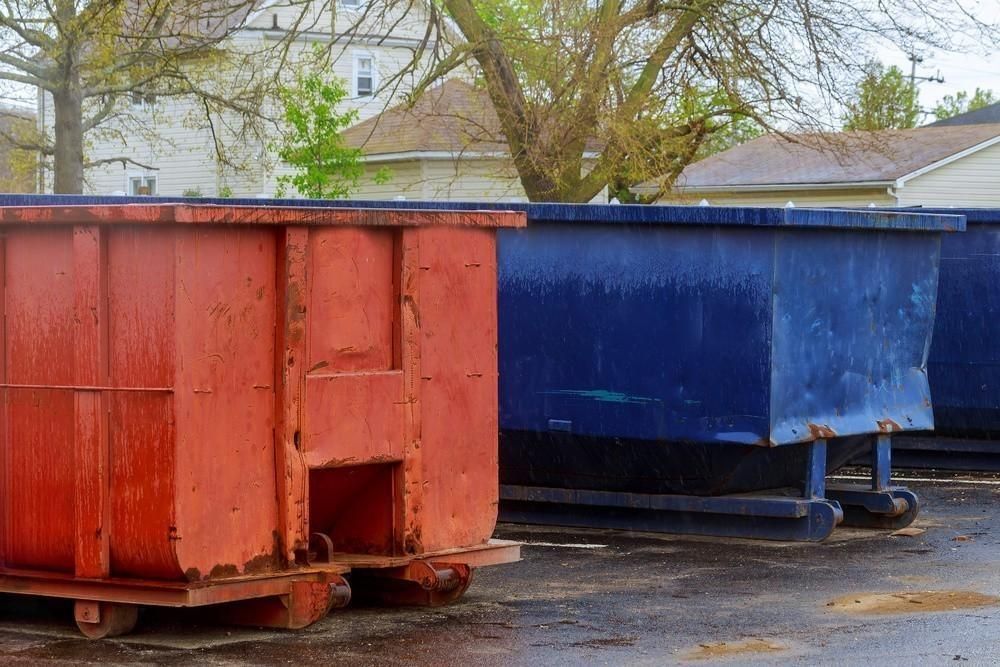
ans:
x=350 y=5
x=144 y=178
x=357 y=57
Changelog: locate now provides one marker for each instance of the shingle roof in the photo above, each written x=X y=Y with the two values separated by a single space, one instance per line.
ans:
x=453 y=117
x=990 y=114
x=840 y=157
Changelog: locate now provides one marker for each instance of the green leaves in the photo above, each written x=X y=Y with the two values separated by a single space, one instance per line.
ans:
x=960 y=102
x=884 y=100
x=312 y=144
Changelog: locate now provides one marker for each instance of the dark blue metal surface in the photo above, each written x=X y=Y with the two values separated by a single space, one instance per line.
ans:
x=964 y=363
x=715 y=334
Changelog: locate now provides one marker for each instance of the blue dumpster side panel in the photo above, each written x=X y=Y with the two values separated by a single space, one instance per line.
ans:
x=656 y=333
x=964 y=363
x=851 y=317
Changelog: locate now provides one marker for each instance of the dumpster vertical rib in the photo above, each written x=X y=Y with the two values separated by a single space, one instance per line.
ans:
x=290 y=364
x=5 y=415
x=91 y=428
x=409 y=337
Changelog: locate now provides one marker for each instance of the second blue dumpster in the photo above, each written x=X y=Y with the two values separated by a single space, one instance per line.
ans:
x=964 y=361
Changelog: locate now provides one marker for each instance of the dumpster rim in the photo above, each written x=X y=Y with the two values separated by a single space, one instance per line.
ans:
x=878 y=219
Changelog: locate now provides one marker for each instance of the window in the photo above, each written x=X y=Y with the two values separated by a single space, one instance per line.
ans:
x=350 y=4
x=364 y=76
x=141 y=185
x=142 y=100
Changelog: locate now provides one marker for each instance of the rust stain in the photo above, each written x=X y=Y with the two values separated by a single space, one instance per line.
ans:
x=888 y=426
x=821 y=431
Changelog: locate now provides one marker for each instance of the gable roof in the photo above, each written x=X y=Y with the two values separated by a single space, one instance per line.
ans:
x=454 y=117
x=836 y=158
x=990 y=114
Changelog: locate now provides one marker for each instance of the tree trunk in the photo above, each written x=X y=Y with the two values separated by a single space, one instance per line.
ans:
x=68 y=156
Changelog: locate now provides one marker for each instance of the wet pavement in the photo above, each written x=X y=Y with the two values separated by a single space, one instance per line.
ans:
x=601 y=597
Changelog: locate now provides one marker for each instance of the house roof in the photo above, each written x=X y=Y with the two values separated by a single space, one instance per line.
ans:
x=990 y=114
x=836 y=158
x=454 y=117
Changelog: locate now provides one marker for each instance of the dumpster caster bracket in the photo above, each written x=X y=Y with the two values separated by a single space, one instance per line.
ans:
x=419 y=583
x=879 y=505
x=99 y=620
x=305 y=603
x=890 y=508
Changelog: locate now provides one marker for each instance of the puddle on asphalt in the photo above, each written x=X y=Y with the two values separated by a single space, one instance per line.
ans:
x=912 y=602
x=743 y=648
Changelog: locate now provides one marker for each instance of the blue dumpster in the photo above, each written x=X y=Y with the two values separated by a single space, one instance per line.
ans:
x=964 y=363
x=700 y=369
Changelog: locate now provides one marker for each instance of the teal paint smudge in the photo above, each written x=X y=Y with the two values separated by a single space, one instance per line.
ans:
x=602 y=396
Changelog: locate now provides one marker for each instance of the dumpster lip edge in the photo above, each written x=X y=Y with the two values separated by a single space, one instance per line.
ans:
x=259 y=214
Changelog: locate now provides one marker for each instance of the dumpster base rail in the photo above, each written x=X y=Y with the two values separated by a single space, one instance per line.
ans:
x=810 y=517
x=944 y=453
x=290 y=600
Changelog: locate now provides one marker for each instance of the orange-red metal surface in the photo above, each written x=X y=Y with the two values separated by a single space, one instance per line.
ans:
x=189 y=392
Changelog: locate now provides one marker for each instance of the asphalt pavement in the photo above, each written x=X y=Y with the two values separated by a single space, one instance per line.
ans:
x=603 y=597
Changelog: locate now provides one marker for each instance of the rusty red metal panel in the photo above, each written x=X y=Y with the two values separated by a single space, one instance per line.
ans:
x=40 y=343
x=351 y=307
x=90 y=369
x=141 y=297
x=458 y=390
x=226 y=518
x=353 y=418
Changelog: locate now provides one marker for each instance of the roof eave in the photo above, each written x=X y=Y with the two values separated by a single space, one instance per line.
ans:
x=782 y=187
x=902 y=180
x=403 y=156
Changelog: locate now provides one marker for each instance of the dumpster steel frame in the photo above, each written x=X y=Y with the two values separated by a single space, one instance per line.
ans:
x=810 y=517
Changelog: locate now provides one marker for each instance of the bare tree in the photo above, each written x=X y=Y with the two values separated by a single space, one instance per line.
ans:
x=650 y=80
x=96 y=58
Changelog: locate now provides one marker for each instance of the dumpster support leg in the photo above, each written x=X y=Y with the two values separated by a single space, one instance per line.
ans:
x=882 y=505
x=816 y=473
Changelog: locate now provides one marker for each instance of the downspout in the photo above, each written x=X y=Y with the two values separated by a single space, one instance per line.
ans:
x=891 y=191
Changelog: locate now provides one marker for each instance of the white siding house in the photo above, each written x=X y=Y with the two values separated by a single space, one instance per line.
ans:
x=178 y=145
x=954 y=165
x=447 y=146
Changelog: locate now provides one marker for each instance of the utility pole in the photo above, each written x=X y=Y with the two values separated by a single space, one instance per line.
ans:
x=914 y=61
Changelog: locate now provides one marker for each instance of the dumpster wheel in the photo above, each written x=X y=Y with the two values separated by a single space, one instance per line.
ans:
x=98 y=620
x=418 y=584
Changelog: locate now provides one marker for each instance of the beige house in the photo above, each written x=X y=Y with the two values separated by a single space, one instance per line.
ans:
x=927 y=166
x=446 y=146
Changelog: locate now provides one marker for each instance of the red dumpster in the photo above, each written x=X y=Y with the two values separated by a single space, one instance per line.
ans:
x=242 y=405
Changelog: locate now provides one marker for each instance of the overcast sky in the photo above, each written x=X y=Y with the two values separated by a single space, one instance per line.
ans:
x=961 y=71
